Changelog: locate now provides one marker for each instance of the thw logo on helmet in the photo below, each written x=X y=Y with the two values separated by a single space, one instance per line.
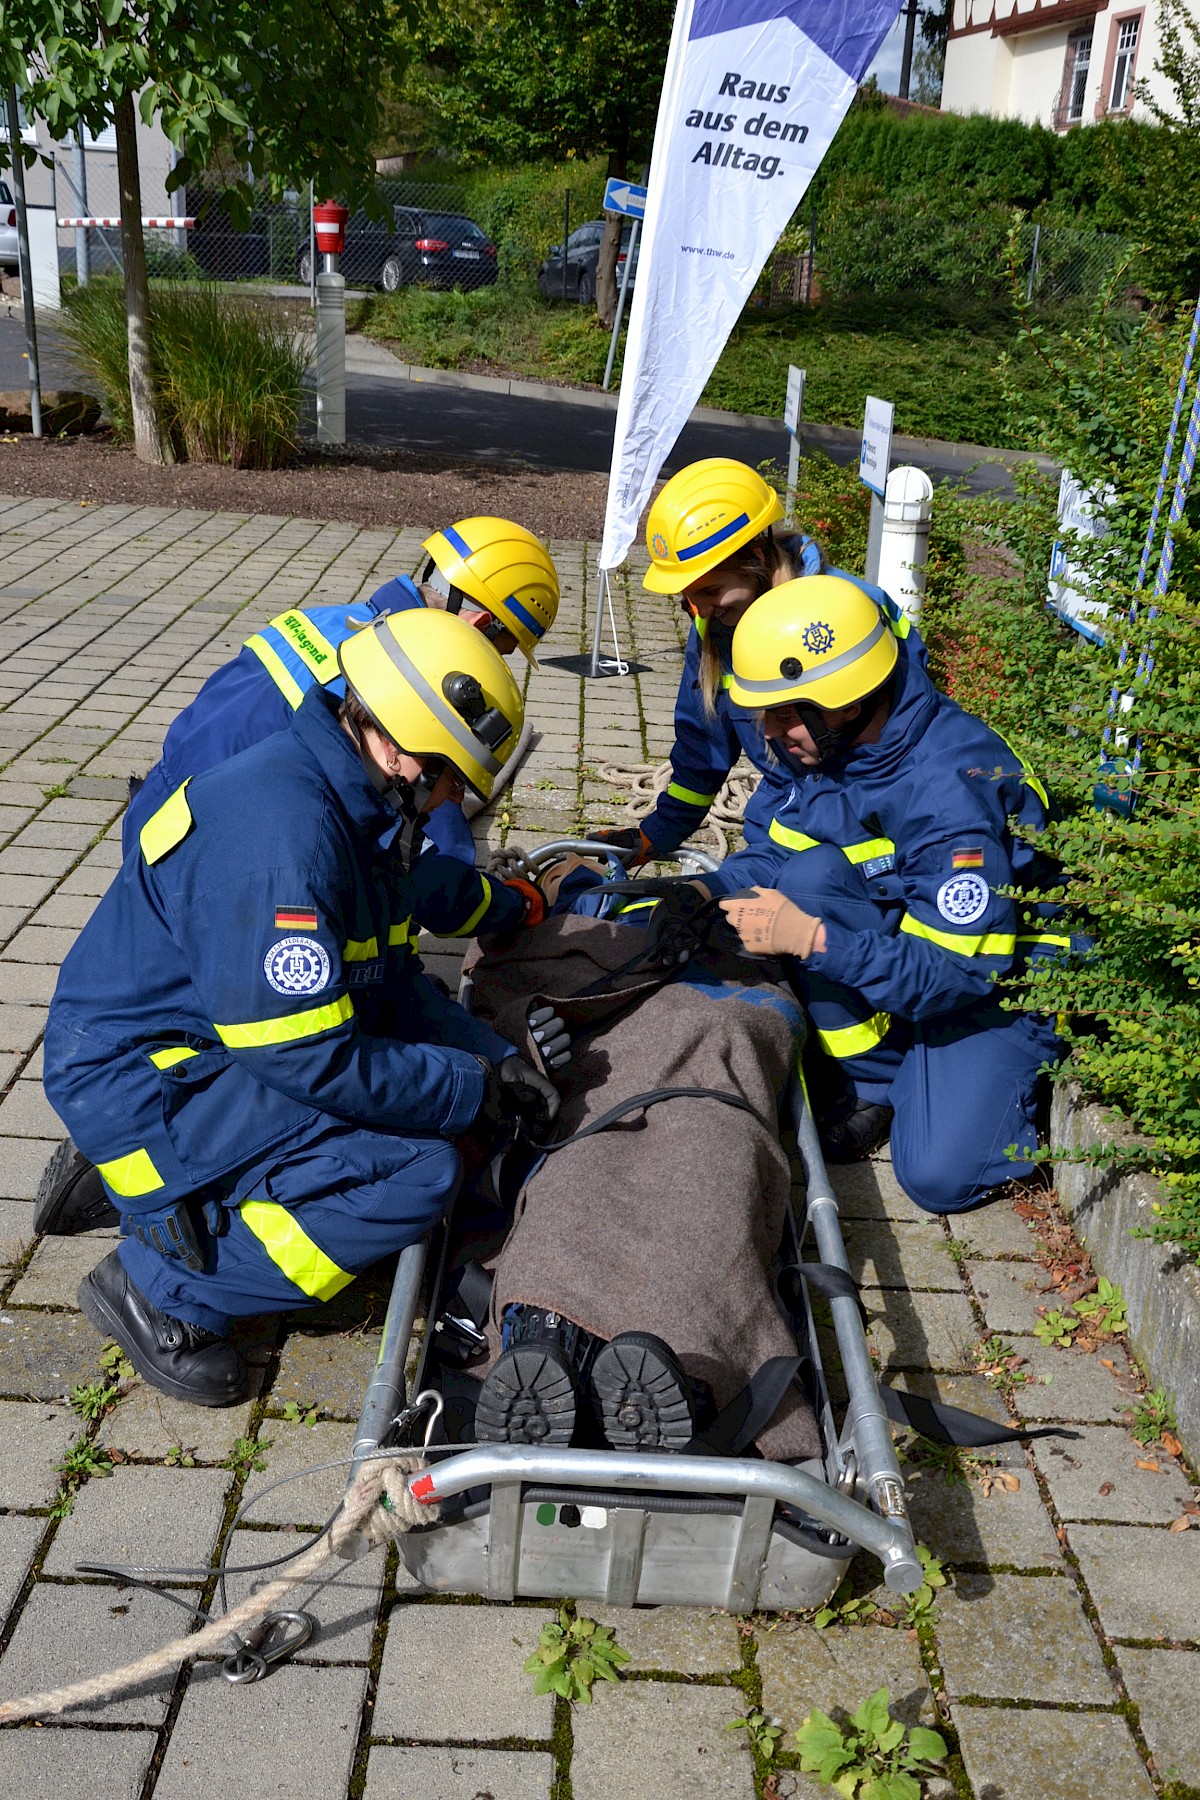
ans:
x=817 y=638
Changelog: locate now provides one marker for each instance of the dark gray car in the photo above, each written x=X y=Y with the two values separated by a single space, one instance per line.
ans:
x=572 y=276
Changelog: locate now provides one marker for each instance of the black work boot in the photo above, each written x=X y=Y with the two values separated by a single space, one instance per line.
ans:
x=854 y=1128
x=185 y=1361
x=645 y=1399
x=71 y=1196
x=530 y=1395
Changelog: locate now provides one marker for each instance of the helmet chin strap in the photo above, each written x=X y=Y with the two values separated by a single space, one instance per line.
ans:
x=409 y=800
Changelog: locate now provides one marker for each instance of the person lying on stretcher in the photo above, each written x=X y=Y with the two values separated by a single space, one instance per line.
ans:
x=634 y=1296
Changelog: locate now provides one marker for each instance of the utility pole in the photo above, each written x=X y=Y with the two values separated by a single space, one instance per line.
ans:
x=909 y=12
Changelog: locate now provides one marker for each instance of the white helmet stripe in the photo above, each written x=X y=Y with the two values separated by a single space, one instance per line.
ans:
x=442 y=711
x=787 y=684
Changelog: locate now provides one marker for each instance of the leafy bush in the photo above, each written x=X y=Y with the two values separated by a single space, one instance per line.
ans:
x=880 y=240
x=228 y=376
x=872 y=1756
x=1131 y=1013
x=573 y=1653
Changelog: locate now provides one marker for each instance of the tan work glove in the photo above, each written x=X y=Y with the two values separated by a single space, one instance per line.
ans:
x=551 y=879
x=769 y=924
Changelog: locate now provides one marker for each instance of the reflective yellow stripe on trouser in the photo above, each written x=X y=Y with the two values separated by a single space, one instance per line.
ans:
x=856 y=1040
x=292 y=1250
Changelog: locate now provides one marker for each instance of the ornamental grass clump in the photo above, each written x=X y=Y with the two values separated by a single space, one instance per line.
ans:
x=228 y=374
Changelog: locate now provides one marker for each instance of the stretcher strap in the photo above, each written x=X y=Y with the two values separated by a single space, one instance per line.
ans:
x=640 y=1102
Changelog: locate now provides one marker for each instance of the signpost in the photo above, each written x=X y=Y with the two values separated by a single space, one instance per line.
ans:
x=874 y=461
x=793 y=409
x=629 y=200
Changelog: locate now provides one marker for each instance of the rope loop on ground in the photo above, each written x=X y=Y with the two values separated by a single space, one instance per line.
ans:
x=378 y=1506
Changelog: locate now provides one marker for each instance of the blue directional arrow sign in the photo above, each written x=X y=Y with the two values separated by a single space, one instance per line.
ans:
x=625 y=197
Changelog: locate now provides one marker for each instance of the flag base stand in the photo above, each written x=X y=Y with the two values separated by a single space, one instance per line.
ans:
x=605 y=665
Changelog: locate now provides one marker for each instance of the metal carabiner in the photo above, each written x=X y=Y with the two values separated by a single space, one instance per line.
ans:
x=255 y=1655
x=437 y=1407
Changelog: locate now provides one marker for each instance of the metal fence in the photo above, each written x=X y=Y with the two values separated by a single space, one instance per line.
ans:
x=1059 y=264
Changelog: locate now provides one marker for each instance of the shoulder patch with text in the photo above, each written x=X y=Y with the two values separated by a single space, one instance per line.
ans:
x=297 y=965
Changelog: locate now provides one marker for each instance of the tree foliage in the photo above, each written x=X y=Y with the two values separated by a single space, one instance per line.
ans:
x=543 y=79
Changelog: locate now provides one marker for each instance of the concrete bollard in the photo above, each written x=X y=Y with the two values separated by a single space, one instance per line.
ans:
x=907 y=507
x=331 y=357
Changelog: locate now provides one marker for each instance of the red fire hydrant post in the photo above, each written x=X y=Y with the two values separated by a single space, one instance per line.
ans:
x=329 y=222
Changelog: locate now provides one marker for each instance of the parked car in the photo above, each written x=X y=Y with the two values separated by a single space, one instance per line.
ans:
x=426 y=249
x=573 y=276
x=9 y=259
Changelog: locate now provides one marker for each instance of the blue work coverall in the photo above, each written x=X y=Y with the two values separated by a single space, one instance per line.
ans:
x=257 y=693
x=903 y=847
x=708 y=744
x=242 y=1023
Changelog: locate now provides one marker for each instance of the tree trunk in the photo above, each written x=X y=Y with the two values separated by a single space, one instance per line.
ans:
x=149 y=440
x=610 y=243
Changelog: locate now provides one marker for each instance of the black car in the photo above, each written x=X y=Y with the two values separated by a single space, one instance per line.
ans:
x=426 y=249
x=573 y=276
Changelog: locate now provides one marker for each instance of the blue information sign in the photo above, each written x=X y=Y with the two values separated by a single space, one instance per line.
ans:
x=625 y=197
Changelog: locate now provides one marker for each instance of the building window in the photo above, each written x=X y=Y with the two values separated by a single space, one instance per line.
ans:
x=1121 y=91
x=1069 y=110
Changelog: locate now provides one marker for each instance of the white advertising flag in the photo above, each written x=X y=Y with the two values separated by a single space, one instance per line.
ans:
x=753 y=94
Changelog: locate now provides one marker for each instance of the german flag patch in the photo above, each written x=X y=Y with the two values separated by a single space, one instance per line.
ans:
x=295 y=918
x=969 y=858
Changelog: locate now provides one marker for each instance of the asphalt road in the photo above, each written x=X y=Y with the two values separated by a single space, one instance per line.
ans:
x=390 y=412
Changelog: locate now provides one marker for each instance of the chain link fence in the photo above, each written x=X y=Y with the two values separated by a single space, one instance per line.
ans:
x=1059 y=264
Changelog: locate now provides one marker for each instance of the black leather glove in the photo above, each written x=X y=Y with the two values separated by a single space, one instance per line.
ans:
x=515 y=1093
x=551 y=1037
x=624 y=837
x=672 y=934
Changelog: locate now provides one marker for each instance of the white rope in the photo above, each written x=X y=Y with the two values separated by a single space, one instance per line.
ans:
x=378 y=1506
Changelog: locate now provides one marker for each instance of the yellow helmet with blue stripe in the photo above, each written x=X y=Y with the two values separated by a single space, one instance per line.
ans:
x=436 y=687
x=705 y=513
x=503 y=568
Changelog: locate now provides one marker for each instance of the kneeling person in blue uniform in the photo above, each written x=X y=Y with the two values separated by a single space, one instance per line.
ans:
x=242 y=1039
x=890 y=881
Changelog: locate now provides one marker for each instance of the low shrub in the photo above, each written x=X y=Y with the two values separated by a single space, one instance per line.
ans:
x=228 y=375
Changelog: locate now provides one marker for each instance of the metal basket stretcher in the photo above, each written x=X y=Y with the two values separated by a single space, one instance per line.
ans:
x=526 y=1521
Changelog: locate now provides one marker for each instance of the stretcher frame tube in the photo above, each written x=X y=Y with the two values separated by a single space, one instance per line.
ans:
x=386 y=1393
x=507 y=1465
x=866 y=1420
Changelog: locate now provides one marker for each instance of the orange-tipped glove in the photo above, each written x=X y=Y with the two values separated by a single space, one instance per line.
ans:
x=769 y=924
x=535 y=900
x=624 y=837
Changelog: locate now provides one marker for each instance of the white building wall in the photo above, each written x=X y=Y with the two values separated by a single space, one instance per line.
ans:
x=1020 y=75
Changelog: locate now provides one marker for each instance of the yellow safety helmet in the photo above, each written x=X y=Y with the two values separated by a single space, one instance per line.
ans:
x=820 y=641
x=504 y=569
x=436 y=687
x=705 y=513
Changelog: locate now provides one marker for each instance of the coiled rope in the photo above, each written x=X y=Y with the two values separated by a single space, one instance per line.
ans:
x=377 y=1506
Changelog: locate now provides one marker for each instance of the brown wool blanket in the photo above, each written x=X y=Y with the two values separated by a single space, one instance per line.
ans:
x=667 y=1220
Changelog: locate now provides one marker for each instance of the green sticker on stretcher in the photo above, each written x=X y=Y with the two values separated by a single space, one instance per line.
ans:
x=546 y=1514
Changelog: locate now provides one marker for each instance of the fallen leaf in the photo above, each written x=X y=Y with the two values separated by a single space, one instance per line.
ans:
x=1106 y=1488
x=1147 y=1462
x=1182 y=1523
x=1012 y=1483
x=1108 y=1364
x=1171 y=1444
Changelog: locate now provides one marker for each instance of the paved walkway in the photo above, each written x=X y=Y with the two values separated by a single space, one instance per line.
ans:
x=1063 y=1659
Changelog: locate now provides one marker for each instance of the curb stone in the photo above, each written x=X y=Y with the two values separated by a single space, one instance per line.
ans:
x=1161 y=1288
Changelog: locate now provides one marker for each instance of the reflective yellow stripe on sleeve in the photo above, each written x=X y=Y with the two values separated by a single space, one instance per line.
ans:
x=271 y=661
x=292 y=1250
x=360 y=950
x=131 y=1176
x=293 y=1027
x=689 y=796
x=1044 y=937
x=166 y=1059
x=791 y=840
x=468 y=925
x=166 y=827
x=868 y=850
x=854 y=1040
x=987 y=943
x=399 y=934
